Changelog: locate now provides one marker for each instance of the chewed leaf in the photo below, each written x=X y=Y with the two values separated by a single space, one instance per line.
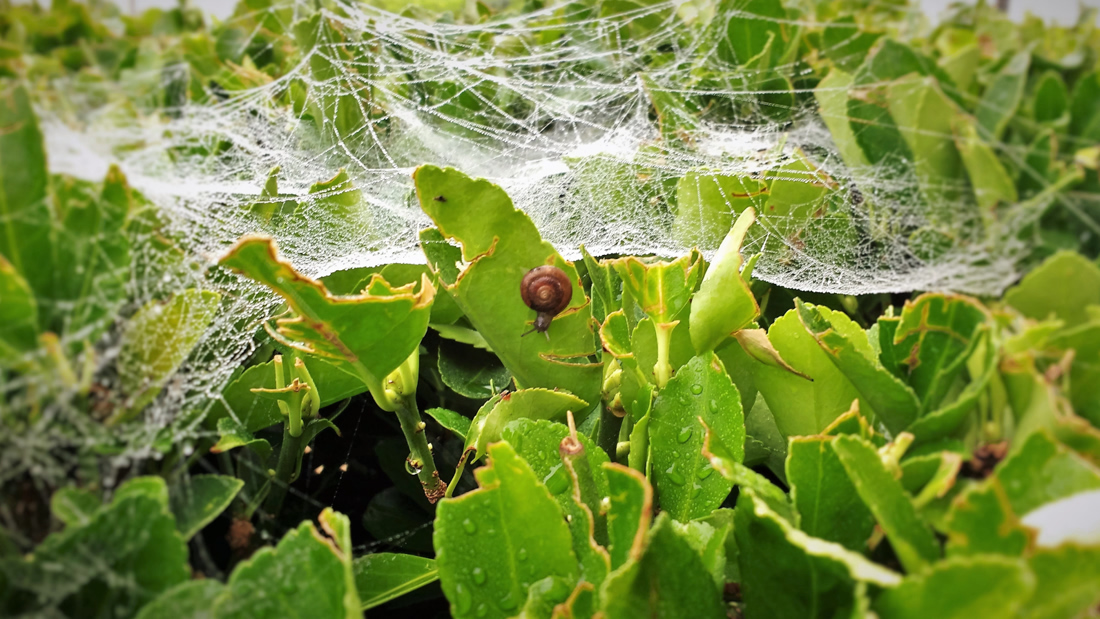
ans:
x=495 y=542
x=367 y=335
x=846 y=344
x=937 y=334
x=500 y=245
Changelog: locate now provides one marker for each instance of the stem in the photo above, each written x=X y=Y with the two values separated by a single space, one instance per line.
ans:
x=662 y=371
x=285 y=470
x=420 y=456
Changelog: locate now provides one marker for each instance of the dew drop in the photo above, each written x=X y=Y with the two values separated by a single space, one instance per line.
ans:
x=470 y=526
x=684 y=435
x=714 y=406
x=697 y=389
x=463 y=600
x=482 y=610
x=676 y=477
x=521 y=554
x=705 y=472
x=479 y=576
x=695 y=491
x=507 y=602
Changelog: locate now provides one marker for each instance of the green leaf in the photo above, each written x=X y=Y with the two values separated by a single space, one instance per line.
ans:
x=992 y=184
x=960 y=589
x=495 y=542
x=923 y=115
x=947 y=419
x=1050 y=100
x=339 y=112
x=846 y=44
x=18 y=316
x=91 y=255
x=232 y=435
x=615 y=335
x=724 y=302
x=458 y=424
x=200 y=499
x=701 y=390
x=158 y=338
x=499 y=246
x=937 y=334
x=875 y=131
x=192 y=599
x=305 y=575
x=832 y=99
x=367 y=335
x=470 y=372
x=828 y=504
x=660 y=289
x=629 y=513
x=462 y=335
x=746 y=478
x=707 y=203
x=981 y=521
x=910 y=536
x=24 y=215
x=128 y=553
x=606 y=287
x=802 y=407
x=1084 y=119
x=1000 y=100
x=540 y=445
x=788 y=574
x=847 y=346
x=488 y=425
x=1065 y=582
x=74 y=506
x=1063 y=286
x=544 y=596
x=750 y=28
x=1042 y=470
x=385 y=576
x=256 y=413
x=670 y=565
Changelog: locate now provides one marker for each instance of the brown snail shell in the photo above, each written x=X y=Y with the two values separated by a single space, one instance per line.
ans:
x=547 y=290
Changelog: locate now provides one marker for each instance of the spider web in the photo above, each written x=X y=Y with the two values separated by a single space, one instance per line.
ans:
x=584 y=118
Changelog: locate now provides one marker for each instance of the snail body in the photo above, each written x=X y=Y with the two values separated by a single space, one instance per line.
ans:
x=547 y=290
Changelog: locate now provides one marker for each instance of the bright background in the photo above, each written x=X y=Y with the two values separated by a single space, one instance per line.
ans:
x=1062 y=11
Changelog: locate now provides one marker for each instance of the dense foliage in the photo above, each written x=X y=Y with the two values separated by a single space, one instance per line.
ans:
x=684 y=440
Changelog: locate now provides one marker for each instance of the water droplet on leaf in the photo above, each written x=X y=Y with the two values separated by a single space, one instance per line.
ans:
x=697 y=389
x=479 y=576
x=676 y=477
x=463 y=600
x=521 y=554
x=469 y=525
x=684 y=435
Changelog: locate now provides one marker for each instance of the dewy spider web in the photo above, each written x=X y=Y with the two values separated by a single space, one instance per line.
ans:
x=580 y=117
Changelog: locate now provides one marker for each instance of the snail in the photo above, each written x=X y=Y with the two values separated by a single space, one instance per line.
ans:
x=547 y=290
